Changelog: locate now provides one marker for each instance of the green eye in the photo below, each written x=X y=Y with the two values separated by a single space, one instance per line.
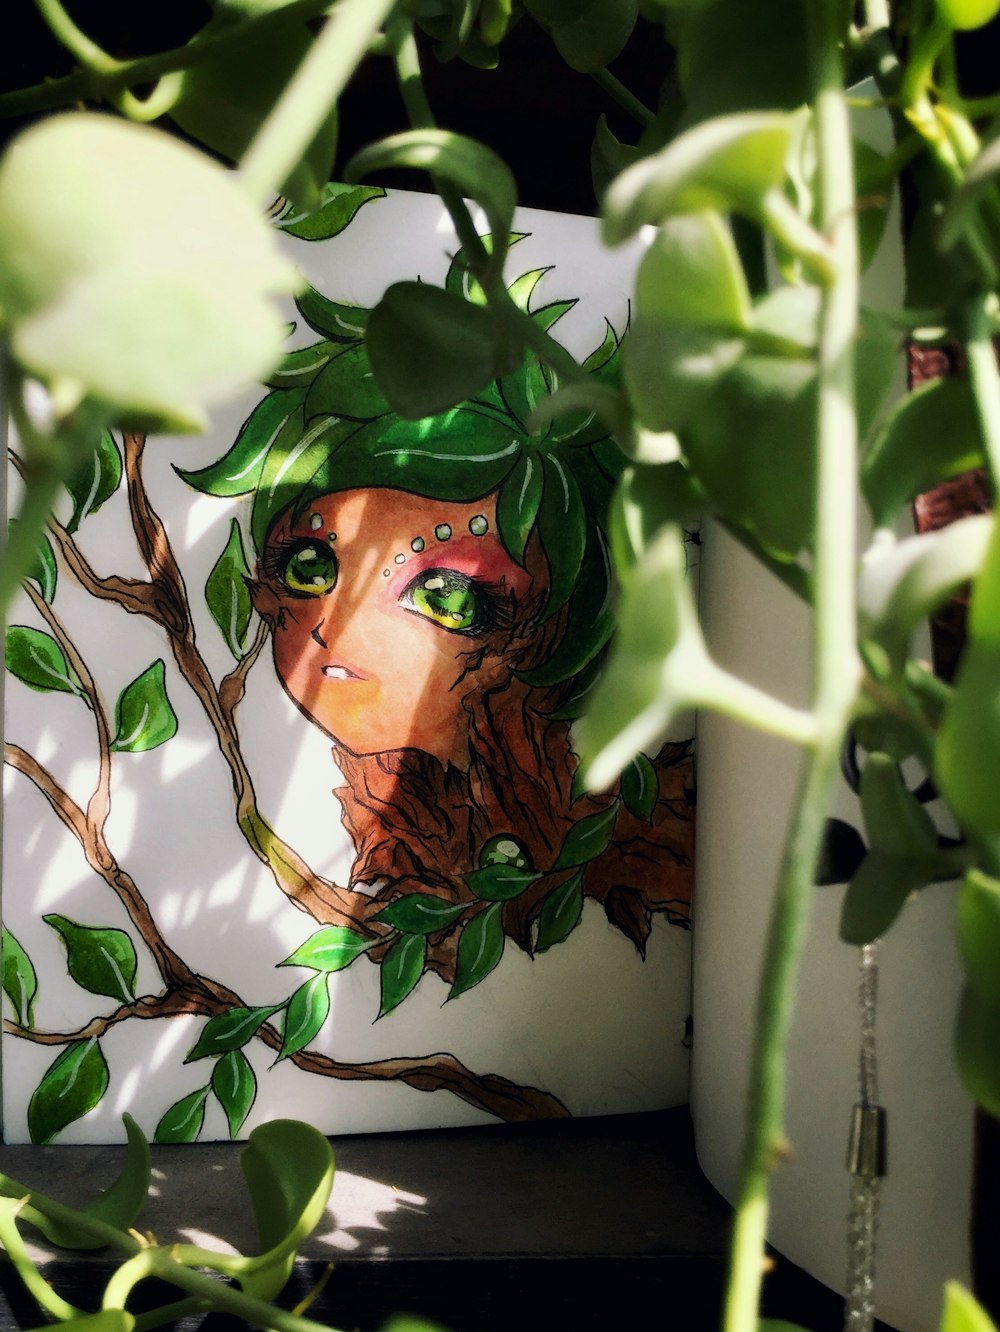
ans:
x=447 y=598
x=308 y=569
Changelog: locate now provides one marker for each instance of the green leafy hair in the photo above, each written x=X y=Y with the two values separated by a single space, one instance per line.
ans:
x=325 y=427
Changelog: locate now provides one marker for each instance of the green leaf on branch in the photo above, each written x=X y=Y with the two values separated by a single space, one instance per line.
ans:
x=430 y=350
x=475 y=169
x=480 y=947
x=43 y=571
x=20 y=982
x=230 y=1030
x=896 y=822
x=640 y=789
x=100 y=960
x=225 y=100
x=332 y=948
x=727 y=164
x=37 y=660
x=561 y=912
x=979 y=933
x=288 y=1167
x=420 y=913
x=235 y=1088
x=339 y=206
x=144 y=718
x=401 y=969
x=183 y=1121
x=228 y=595
x=94 y=480
x=977 y=1049
x=931 y=436
x=71 y=1086
x=305 y=1013
x=84 y=269
x=499 y=883
x=588 y=839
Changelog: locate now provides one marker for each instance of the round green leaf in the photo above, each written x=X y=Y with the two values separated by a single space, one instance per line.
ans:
x=401 y=969
x=144 y=718
x=477 y=171
x=224 y=101
x=429 y=350
x=561 y=912
x=596 y=34
x=728 y=163
x=420 y=913
x=20 y=982
x=71 y=1086
x=499 y=883
x=227 y=593
x=332 y=948
x=480 y=947
x=305 y=1013
x=979 y=933
x=182 y=1122
x=135 y=269
x=100 y=959
x=230 y=1031
x=235 y=1087
x=692 y=274
x=589 y=838
x=37 y=660
x=95 y=479
x=966 y=15
x=977 y=1049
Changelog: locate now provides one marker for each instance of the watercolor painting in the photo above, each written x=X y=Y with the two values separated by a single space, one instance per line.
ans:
x=291 y=796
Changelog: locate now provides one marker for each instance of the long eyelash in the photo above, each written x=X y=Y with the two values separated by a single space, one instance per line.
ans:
x=273 y=559
x=496 y=607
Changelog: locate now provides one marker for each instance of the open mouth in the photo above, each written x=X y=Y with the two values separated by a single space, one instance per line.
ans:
x=339 y=673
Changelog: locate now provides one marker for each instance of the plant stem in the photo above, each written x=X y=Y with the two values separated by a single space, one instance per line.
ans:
x=983 y=377
x=314 y=88
x=836 y=672
x=625 y=97
x=62 y=27
x=86 y=84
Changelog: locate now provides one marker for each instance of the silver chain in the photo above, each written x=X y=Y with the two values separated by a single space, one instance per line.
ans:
x=865 y=1159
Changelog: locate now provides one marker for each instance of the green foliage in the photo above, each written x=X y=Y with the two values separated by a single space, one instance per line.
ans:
x=235 y=1086
x=144 y=718
x=37 y=660
x=401 y=969
x=71 y=1086
x=20 y=982
x=561 y=912
x=230 y=1030
x=227 y=593
x=305 y=1013
x=100 y=959
x=94 y=479
x=330 y=949
x=480 y=947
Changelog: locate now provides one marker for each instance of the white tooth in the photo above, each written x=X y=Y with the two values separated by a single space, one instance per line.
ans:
x=336 y=672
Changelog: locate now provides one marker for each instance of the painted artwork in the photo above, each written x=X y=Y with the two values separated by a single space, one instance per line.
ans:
x=293 y=817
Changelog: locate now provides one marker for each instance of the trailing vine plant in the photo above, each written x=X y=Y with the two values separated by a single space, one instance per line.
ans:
x=755 y=393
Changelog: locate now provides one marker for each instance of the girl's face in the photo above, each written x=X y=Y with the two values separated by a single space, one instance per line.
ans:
x=380 y=598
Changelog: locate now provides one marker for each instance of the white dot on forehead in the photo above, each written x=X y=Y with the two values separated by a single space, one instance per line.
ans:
x=315 y=521
x=479 y=525
x=400 y=559
x=417 y=544
x=443 y=531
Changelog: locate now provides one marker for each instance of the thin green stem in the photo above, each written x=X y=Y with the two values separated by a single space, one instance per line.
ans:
x=487 y=267
x=625 y=97
x=158 y=103
x=307 y=99
x=159 y=1262
x=836 y=673
x=85 y=84
x=169 y=1313
x=985 y=382
x=787 y=225
x=86 y=52
x=745 y=703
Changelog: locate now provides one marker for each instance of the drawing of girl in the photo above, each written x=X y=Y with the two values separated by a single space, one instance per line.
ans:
x=439 y=597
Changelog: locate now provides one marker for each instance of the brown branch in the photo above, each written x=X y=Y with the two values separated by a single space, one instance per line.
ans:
x=172 y=968
x=435 y=1072
x=99 y=805
x=233 y=686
